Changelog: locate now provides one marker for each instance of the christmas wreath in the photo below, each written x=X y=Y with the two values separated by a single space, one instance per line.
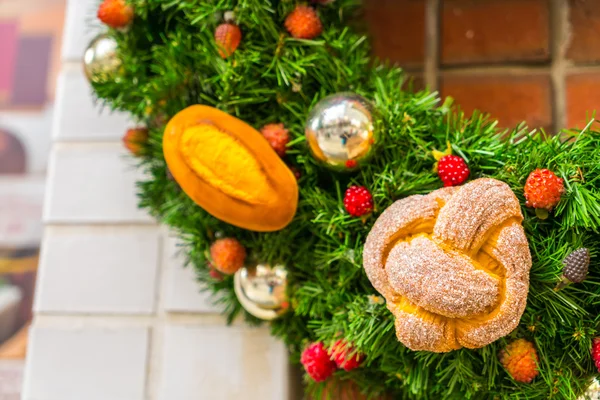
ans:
x=391 y=240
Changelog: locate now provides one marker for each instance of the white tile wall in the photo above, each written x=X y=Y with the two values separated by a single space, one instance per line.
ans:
x=224 y=363
x=86 y=364
x=80 y=28
x=109 y=277
x=78 y=117
x=92 y=183
x=182 y=291
x=109 y=270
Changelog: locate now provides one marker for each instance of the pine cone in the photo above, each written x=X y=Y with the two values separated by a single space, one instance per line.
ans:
x=576 y=265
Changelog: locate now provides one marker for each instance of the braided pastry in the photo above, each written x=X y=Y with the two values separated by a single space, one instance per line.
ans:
x=453 y=265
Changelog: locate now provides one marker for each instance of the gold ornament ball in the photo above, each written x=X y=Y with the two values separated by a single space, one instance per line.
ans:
x=261 y=289
x=341 y=131
x=100 y=60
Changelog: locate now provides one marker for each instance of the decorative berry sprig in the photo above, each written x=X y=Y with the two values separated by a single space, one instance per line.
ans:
x=317 y=363
x=228 y=37
x=304 y=23
x=227 y=255
x=277 y=136
x=135 y=139
x=520 y=360
x=358 y=201
x=115 y=13
x=543 y=190
x=576 y=266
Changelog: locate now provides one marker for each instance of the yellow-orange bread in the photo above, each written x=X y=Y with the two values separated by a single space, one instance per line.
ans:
x=453 y=265
x=229 y=169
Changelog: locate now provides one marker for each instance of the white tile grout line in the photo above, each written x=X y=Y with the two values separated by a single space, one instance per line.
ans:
x=432 y=43
x=116 y=321
x=559 y=36
x=154 y=364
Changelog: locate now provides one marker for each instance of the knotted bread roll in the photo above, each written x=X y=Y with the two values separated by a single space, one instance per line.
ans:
x=453 y=265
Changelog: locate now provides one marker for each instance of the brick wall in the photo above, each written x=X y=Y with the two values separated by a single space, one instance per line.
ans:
x=520 y=60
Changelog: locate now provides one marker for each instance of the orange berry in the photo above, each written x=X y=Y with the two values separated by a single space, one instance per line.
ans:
x=135 y=139
x=115 y=13
x=543 y=189
x=228 y=37
x=277 y=136
x=520 y=359
x=304 y=23
x=228 y=255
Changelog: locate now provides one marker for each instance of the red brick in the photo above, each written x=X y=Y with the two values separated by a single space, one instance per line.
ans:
x=585 y=29
x=493 y=31
x=397 y=28
x=583 y=97
x=509 y=99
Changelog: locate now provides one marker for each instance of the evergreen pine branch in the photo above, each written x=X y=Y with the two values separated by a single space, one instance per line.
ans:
x=170 y=61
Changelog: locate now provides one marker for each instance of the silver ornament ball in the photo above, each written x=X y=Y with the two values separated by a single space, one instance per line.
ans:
x=341 y=131
x=100 y=60
x=261 y=289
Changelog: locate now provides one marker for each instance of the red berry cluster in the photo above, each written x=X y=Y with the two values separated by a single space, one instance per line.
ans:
x=543 y=189
x=228 y=37
x=304 y=23
x=596 y=352
x=452 y=170
x=321 y=363
x=358 y=201
x=277 y=136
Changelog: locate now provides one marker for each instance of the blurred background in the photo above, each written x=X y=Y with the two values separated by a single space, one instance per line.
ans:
x=30 y=41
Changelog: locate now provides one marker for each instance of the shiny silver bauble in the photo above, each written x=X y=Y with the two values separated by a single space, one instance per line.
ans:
x=100 y=60
x=261 y=289
x=341 y=131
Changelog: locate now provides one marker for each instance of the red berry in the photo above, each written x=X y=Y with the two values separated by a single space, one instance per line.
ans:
x=453 y=170
x=227 y=255
x=543 y=189
x=135 y=139
x=596 y=352
x=228 y=37
x=115 y=13
x=345 y=356
x=304 y=23
x=317 y=363
x=277 y=136
x=350 y=164
x=214 y=273
x=358 y=201
x=520 y=359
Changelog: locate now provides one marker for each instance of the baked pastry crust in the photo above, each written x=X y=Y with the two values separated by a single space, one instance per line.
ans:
x=453 y=265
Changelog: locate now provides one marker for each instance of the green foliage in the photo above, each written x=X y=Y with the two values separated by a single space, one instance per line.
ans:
x=170 y=61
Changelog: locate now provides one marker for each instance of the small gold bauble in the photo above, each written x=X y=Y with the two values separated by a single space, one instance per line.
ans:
x=341 y=131
x=100 y=60
x=261 y=290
